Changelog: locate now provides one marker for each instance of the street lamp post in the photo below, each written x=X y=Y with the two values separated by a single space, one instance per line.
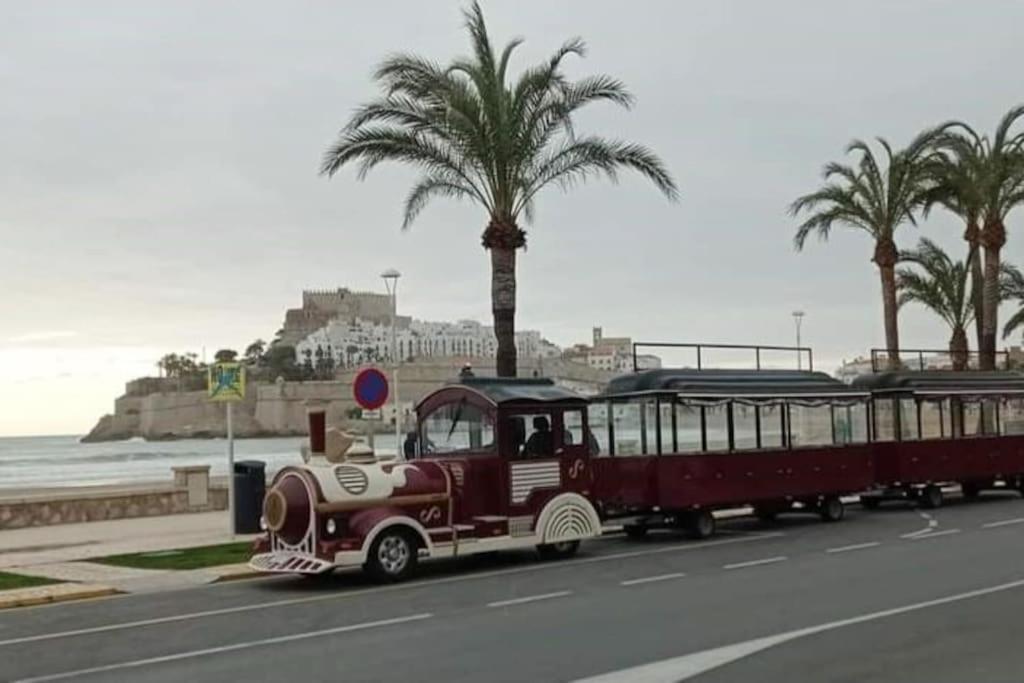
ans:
x=798 y=318
x=390 y=277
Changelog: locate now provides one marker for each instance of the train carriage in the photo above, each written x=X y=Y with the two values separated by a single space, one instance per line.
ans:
x=936 y=427
x=674 y=445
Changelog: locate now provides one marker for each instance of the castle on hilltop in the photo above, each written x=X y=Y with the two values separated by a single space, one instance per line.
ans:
x=321 y=306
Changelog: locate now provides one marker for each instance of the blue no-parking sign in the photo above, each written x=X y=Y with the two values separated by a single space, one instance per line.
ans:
x=370 y=389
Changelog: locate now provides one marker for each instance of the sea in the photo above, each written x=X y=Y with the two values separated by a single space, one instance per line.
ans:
x=37 y=462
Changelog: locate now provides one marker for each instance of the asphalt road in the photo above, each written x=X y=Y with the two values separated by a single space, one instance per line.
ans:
x=895 y=594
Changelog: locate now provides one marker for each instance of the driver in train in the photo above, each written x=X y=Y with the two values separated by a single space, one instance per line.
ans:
x=540 y=443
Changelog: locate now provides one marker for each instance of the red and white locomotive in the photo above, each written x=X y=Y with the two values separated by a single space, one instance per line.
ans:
x=463 y=495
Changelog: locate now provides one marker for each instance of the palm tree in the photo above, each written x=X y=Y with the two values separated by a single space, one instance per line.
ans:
x=958 y=176
x=254 y=352
x=480 y=136
x=876 y=200
x=1002 y=190
x=941 y=285
x=1011 y=286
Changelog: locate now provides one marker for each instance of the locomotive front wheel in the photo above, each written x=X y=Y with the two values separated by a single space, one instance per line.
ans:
x=392 y=556
x=832 y=509
x=558 y=551
x=700 y=524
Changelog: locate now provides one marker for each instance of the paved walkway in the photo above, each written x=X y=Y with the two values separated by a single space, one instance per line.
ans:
x=72 y=542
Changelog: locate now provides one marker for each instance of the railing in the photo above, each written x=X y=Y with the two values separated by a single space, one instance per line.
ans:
x=757 y=349
x=880 y=359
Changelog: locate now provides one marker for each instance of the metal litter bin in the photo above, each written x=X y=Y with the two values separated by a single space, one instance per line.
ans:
x=250 y=487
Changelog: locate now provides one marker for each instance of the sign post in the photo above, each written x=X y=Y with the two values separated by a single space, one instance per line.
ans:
x=370 y=390
x=225 y=382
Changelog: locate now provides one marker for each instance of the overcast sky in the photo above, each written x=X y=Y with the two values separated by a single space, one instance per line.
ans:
x=159 y=187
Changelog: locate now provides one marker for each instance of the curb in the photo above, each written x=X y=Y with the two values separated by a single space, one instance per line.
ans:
x=32 y=597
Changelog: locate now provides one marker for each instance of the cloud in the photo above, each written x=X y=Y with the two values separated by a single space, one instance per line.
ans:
x=42 y=336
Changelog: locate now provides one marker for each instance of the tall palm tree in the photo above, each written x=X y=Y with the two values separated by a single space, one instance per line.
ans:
x=478 y=135
x=1011 y=286
x=958 y=177
x=877 y=200
x=942 y=285
x=1002 y=185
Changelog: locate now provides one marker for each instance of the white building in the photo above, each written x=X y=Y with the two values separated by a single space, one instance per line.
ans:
x=352 y=342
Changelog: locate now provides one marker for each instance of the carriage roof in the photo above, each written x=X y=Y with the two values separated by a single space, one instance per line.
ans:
x=500 y=391
x=943 y=382
x=730 y=382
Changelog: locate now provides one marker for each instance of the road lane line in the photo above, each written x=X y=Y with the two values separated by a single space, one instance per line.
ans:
x=652 y=579
x=933 y=534
x=1005 y=522
x=225 y=648
x=859 y=546
x=529 y=598
x=696 y=663
x=755 y=563
x=682 y=547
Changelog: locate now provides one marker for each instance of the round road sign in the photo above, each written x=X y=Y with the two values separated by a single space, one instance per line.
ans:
x=370 y=389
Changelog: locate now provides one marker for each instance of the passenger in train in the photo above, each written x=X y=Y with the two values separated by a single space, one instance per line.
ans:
x=540 y=444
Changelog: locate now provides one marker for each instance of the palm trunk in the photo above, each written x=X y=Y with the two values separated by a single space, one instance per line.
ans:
x=886 y=256
x=503 y=304
x=993 y=237
x=972 y=235
x=958 y=348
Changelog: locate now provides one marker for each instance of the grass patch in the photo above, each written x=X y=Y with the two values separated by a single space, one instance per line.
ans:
x=9 y=581
x=184 y=558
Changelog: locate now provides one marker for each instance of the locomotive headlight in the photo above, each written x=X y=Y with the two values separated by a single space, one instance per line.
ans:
x=263 y=523
x=331 y=526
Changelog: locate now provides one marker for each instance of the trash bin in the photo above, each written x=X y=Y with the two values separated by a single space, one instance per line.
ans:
x=250 y=486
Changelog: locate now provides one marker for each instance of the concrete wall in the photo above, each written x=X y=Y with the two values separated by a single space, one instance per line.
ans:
x=66 y=508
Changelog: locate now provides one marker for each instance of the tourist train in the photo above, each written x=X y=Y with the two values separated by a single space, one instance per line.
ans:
x=497 y=464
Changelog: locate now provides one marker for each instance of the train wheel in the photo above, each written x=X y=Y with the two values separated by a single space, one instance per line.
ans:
x=970 y=491
x=558 y=551
x=392 y=556
x=635 y=531
x=931 y=497
x=870 y=502
x=700 y=524
x=832 y=509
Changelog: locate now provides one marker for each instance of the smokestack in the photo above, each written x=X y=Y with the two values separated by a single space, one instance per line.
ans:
x=317 y=414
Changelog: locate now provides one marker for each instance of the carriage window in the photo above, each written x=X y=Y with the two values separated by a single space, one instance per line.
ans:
x=857 y=418
x=908 y=419
x=716 y=422
x=626 y=425
x=572 y=433
x=534 y=435
x=597 y=419
x=810 y=425
x=688 y=428
x=458 y=427
x=744 y=426
x=972 y=420
x=1011 y=416
x=667 y=435
x=771 y=426
x=650 y=440
x=885 y=419
x=934 y=419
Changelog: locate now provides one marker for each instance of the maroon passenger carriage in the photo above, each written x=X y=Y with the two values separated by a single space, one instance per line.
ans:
x=481 y=482
x=678 y=444
x=936 y=427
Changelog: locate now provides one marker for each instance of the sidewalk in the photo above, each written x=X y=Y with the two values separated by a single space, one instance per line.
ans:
x=62 y=552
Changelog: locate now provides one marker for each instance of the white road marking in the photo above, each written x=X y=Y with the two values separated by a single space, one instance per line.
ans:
x=225 y=648
x=682 y=547
x=932 y=524
x=945 y=532
x=859 y=546
x=652 y=579
x=1005 y=522
x=529 y=598
x=755 y=563
x=687 y=666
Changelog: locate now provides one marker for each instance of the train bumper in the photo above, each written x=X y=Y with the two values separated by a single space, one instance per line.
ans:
x=289 y=563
